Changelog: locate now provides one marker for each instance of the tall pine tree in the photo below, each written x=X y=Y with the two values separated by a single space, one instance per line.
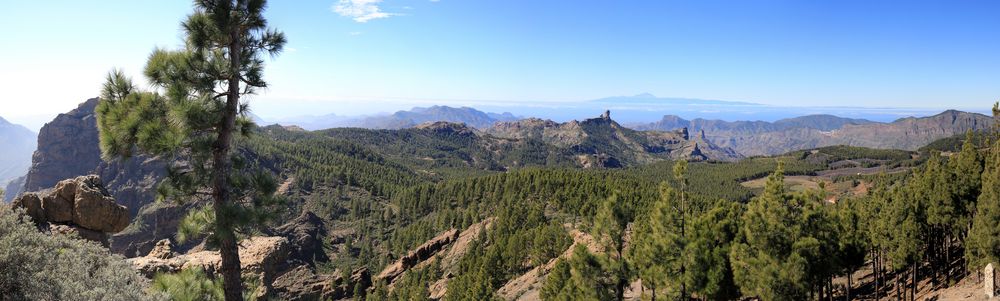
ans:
x=610 y=226
x=764 y=256
x=983 y=242
x=661 y=239
x=195 y=113
x=709 y=273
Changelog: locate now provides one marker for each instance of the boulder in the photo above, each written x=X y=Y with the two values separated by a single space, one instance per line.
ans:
x=57 y=209
x=263 y=255
x=80 y=202
x=439 y=288
x=150 y=266
x=66 y=189
x=162 y=250
x=95 y=209
x=68 y=147
x=32 y=205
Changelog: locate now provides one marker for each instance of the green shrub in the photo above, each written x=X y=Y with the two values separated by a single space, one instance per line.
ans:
x=36 y=266
x=189 y=285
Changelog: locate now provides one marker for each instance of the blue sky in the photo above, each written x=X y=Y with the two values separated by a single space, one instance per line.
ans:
x=362 y=56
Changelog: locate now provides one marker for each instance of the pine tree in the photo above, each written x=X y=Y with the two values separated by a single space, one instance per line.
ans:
x=195 y=115
x=983 y=242
x=765 y=258
x=654 y=255
x=584 y=276
x=876 y=227
x=854 y=241
x=906 y=213
x=818 y=240
x=662 y=237
x=610 y=225
x=709 y=273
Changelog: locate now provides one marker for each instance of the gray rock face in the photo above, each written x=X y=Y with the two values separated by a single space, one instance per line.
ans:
x=67 y=147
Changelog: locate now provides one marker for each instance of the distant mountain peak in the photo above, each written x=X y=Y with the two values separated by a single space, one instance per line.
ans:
x=644 y=95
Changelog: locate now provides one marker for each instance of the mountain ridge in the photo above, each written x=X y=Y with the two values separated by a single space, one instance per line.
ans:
x=400 y=119
x=754 y=138
x=15 y=157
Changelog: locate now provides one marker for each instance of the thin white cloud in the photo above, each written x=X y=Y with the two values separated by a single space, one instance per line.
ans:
x=361 y=10
x=354 y=33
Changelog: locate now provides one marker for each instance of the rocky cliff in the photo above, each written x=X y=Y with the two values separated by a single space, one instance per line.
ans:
x=67 y=147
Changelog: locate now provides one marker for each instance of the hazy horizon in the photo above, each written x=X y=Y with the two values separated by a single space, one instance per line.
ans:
x=362 y=57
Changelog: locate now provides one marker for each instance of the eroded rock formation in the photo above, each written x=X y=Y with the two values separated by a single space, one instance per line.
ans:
x=415 y=256
x=80 y=205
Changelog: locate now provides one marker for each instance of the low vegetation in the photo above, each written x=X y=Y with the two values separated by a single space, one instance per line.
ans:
x=37 y=266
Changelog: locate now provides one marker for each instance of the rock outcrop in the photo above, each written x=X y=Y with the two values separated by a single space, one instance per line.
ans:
x=263 y=256
x=67 y=147
x=80 y=205
x=162 y=250
x=301 y=283
x=415 y=256
x=306 y=234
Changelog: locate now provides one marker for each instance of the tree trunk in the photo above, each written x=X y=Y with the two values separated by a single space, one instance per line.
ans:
x=849 y=276
x=830 y=283
x=228 y=249
x=898 y=295
x=947 y=260
x=875 y=272
x=913 y=290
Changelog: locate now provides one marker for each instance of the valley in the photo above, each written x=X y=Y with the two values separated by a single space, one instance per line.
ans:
x=532 y=185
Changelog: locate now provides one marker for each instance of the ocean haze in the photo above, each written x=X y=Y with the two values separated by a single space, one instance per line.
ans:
x=636 y=109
